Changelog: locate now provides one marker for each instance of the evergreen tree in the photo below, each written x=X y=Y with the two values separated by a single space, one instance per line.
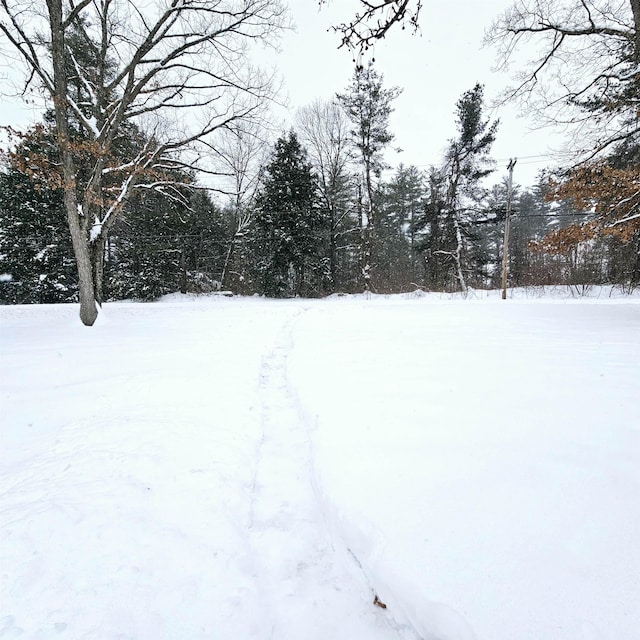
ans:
x=402 y=205
x=467 y=163
x=434 y=235
x=368 y=107
x=289 y=232
x=36 y=256
x=160 y=246
x=324 y=130
x=525 y=224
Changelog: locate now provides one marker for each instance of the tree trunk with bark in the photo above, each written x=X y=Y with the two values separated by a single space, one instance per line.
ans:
x=77 y=222
x=457 y=254
x=333 y=246
x=97 y=259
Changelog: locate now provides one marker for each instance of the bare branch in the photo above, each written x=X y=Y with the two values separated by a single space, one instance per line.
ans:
x=635 y=216
x=375 y=20
x=74 y=13
x=582 y=69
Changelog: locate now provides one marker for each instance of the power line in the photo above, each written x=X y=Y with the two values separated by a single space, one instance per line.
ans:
x=526 y=160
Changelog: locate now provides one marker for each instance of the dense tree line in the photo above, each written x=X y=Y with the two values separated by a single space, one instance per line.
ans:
x=313 y=215
x=311 y=223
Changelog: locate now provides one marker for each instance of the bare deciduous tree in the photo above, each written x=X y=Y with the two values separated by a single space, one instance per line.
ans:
x=242 y=152
x=178 y=70
x=583 y=65
x=374 y=19
x=324 y=130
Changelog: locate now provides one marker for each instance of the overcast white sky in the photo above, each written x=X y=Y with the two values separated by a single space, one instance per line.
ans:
x=434 y=68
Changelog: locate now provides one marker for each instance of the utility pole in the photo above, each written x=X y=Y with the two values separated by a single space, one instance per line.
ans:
x=505 y=244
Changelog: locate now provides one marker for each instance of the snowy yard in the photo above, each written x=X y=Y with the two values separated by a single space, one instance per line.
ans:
x=236 y=469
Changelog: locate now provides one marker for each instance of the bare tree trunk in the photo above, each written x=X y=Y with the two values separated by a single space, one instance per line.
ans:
x=365 y=246
x=183 y=271
x=242 y=222
x=227 y=260
x=635 y=271
x=457 y=256
x=333 y=267
x=86 y=290
x=370 y=231
x=412 y=250
x=366 y=259
x=453 y=203
x=370 y=213
x=88 y=309
x=97 y=258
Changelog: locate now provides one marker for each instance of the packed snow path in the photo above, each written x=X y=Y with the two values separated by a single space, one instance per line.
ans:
x=311 y=586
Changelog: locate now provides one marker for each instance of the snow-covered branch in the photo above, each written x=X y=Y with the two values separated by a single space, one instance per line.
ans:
x=635 y=216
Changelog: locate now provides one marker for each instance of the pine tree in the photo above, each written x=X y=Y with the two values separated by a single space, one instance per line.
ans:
x=162 y=245
x=289 y=233
x=324 y=130
x=433 y=233
x=36 y=256
x=467 y=163
x=368 y=107
x=402 y=204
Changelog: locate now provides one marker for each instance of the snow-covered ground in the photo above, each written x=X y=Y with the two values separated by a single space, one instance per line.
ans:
x=248 y=469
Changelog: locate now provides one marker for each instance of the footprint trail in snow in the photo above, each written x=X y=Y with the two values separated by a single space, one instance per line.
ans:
x=307 y=583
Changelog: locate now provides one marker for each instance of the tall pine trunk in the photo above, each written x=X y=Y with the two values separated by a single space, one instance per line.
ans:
x=369 y=229
x=365 y=246
x=457 y=255
x=333 y=263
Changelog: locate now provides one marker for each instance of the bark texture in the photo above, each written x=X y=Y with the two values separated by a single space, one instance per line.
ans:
x=88 y=308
